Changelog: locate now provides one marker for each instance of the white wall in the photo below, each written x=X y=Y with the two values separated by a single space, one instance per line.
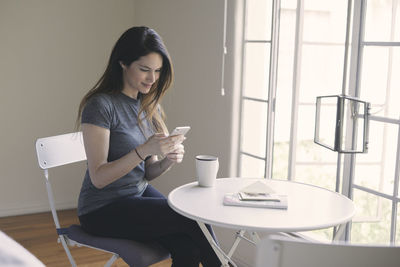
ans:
x=51 y=53
x=192 y=32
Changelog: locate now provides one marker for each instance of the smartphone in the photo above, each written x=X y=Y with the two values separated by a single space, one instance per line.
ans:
x=180 y=130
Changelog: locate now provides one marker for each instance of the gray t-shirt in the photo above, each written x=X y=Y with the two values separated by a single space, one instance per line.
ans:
x=118 y=113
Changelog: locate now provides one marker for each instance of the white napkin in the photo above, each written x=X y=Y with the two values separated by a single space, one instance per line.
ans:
x=258 y=188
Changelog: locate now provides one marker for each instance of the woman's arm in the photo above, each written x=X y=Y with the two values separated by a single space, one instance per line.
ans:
x=102 y=173
x=96 y=141
x=155 y=167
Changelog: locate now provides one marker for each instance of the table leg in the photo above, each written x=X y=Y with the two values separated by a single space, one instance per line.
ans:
x=239 y=235
x=255 y=237
x=339 y=233
x=220 y=253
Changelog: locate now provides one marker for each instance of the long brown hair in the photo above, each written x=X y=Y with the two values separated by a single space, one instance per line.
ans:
x=133 y=44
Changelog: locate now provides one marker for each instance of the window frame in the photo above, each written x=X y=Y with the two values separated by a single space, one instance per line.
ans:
x=270 y=101
x=353 y=62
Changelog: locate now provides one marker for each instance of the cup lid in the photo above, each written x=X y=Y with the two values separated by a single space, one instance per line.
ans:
x=206 y=157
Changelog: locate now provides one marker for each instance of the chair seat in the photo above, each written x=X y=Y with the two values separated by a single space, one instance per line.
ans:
x=134 y=253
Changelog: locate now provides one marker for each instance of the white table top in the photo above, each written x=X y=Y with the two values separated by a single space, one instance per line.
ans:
x=309 y=207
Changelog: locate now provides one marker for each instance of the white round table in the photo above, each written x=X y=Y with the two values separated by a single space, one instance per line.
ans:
x=309 y=207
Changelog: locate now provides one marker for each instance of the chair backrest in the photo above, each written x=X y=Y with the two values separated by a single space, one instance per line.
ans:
x=277 y=251
x=60 y=150
x=56 y=151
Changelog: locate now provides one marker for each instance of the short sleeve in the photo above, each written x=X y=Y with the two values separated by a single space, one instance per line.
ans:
x=98 y=111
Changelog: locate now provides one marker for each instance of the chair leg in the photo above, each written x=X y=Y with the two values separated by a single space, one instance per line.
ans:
x=64 y=244
x=71 y=259
x=111 y=261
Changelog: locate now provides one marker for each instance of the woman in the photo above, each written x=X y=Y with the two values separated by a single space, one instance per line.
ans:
x=124 y=131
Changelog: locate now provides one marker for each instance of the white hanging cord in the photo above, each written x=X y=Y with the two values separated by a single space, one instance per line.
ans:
x=224 y=49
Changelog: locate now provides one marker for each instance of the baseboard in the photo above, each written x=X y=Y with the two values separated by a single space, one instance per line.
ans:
x=29 y=209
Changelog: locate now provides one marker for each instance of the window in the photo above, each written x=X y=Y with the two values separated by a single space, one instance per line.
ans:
x=260 y=48
x=325 y=48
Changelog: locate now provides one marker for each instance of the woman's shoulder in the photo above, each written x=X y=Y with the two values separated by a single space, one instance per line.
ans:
x=102 y=99
x=99 y=109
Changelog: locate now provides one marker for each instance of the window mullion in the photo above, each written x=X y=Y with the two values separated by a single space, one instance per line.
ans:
x=258 y=41
x=395 y=191
x=381 y=44
x=242 y=85
x=273 y=72
x=344 y=84
x=353 y=90
x=397 y=167
x=295 y=89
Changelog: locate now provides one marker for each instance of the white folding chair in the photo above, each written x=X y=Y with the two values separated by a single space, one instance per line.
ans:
x=68 y=148
x=14 y=254
x=279 y=251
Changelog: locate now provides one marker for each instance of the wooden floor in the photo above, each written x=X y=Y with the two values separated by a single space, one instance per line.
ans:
x=36 y=232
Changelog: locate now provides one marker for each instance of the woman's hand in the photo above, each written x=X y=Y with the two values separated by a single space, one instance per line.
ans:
x=171 y=147
x=176 y=155
x=160 y=144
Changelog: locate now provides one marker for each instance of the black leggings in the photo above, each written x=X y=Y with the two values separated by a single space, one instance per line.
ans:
x=149 y=218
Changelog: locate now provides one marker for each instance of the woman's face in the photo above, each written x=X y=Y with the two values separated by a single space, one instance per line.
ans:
x=141 y=74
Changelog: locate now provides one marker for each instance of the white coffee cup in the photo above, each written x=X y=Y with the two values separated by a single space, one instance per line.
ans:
x=206 y=170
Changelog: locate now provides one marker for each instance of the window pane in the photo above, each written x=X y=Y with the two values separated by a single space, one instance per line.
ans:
x=322 y=235
x=280 y=161
x=251 y=167
x=314 y=164
x=380 y=80
x=321 y=71
x=307 y=150
x=353 y=125
x=325 y=21
x=256 y=70
x=254 y=127
x=379 y=17
x=287 y=30
x=326 y=124
x=284 y=90
x=323 y=175
x=305 y=124
x=372 y=221
x=258 y=19
x=376 y=169
x=288 y=4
